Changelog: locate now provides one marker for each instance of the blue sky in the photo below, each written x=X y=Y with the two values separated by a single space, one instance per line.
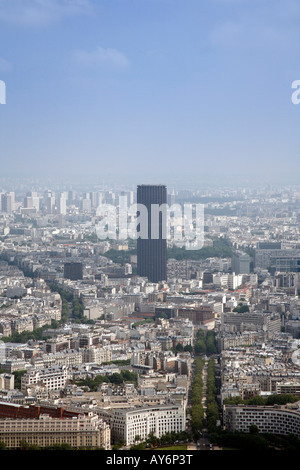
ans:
x=150 y=90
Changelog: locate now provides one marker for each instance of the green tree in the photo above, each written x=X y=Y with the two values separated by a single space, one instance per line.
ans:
x=200 y=347
x=179 y=347
x=188 y=348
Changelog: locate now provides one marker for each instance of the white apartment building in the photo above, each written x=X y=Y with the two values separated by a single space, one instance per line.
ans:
x=53 y=378
x=79 y=432
x=228 y=281
x=126 y=424
x=280 y=420
x=97 y=354
x=7 y=381
x=68 y=358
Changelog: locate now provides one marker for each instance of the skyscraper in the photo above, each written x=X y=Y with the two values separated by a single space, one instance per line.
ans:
x=152 y=244
x=73 y=271
x=240 y=262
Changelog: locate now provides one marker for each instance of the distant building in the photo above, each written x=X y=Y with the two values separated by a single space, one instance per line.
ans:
x=62 y=204
x=73 y=271
x=267 y=323
x=32 y=201
x=202 y=315
x=282 y=260
x=269 y=246
x=240 y=263
x=152 y=243
x=285 y=264
x=8 y=202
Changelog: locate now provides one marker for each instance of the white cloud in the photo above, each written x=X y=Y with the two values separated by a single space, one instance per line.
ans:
x=40 y=12
x=100 y=57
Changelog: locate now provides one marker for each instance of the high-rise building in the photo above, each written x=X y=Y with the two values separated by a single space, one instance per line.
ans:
x=8 y=202
x=32 y=201
x=61 y=204
x=152 y=237
x=73 y=271
x=49 y=200
x=240 y=262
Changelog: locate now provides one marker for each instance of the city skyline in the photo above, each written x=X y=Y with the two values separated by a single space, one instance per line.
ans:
x=114 y=353
x=199 y=91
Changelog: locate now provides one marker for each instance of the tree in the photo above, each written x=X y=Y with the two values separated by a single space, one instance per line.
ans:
x=200 y=347
x=210 y=343
x=241 y=308
x=140 y=446
x=253 y=429
x=179 y=347
x=24 y=445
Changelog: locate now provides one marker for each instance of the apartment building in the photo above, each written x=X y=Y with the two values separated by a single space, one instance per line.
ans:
x=280 y=420
x=265 y=322
x=227 y=280
x=79 y=432
x=240 y=262
x=53 y=378
x=7 y=381
x=97 y=354
x=126 y=424
x=201 y=315
x=68 y=358
x=289 y=387
x=231 y=340
x=283 y=260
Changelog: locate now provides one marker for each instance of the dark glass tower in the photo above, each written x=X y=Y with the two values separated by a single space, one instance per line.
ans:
x=152 y=249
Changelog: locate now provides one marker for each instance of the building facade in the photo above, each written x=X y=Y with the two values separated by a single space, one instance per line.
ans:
x=79 y=432
x=152 y=235
x=280 y=420
x=52 y=378
x=73 y=271
x=127 y=424
x=240 y=263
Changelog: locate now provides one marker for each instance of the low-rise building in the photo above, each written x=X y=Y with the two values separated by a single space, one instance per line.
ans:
x=53 y=378
x=280 y=420
x=79 y=432
x=127 y=424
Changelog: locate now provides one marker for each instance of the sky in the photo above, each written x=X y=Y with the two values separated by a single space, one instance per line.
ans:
x=150 y=91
